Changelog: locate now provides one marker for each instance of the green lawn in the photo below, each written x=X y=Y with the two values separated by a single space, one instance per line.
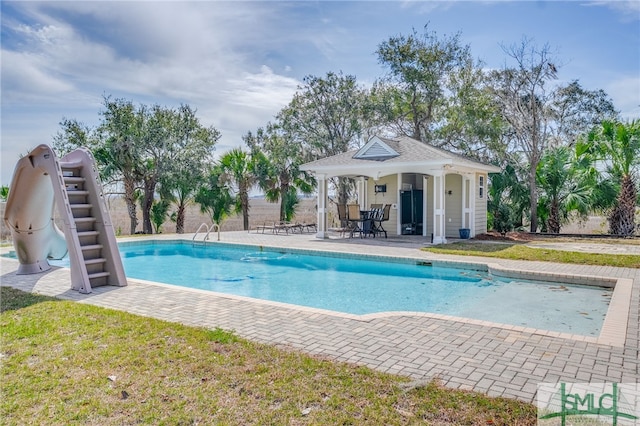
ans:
x=70 y=363
x=519 y=251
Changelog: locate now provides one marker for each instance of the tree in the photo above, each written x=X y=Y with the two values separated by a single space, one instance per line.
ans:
x=507 y=199
x=540 y=115
x=185 y=157
x=471 y=123
x=420 y=66
x=325 y=118
x=180 y=185
x=239 y=166
x=563 y=176
x=140 y=147
x=522 y=95
x=118 y=149
x=278 y=161
x=214 y=196
x=159 y=212
x=619 y=148
x=73 y=135
x=576 y=110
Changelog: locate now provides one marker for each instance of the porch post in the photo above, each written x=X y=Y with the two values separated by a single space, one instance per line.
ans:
x=399 y=205
x=361 y=186
x=438 y=209
x=425 y=203
x=472 y=204
x=322 y=206
x=466 y=202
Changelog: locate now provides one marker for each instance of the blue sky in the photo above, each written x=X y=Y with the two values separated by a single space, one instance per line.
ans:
x=239 y=63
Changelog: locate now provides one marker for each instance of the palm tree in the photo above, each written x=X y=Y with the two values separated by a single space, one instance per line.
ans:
x=277 y=166
x=214 y=196
x=619 y=147
x=508 y=199
x=239 y=166
x=563 y=176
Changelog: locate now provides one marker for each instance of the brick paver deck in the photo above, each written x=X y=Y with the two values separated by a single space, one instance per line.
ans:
x=498 y=360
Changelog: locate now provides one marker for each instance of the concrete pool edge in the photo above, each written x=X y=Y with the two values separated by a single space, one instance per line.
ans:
x=612 y=332
x=614 y=328
x=609 y=335
x=494 y=361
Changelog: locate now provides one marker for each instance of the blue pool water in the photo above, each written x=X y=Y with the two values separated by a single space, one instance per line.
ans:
x=358 y=286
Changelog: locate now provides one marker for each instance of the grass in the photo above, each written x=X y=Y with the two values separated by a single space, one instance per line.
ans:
x=519 y=251
x=63 y=362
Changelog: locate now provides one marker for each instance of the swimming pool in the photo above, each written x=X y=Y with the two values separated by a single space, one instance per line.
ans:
x=363 y=286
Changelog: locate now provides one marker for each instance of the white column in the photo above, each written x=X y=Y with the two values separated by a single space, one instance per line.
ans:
x=438 y=209
x=322 y=207
x=361 y=187
x=399 y=206
x=466 y=207
x=425 y=203
x=472 y=205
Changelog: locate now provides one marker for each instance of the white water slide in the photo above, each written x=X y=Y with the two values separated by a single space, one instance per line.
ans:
x=40 y=182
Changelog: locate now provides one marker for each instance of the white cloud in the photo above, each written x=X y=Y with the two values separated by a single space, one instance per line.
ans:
x=628 y=9
x=263 y=90
x=203 y=54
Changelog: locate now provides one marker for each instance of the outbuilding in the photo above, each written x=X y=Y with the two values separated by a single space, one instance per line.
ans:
x=432 y=192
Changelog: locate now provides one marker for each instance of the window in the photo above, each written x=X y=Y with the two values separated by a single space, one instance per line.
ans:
x=481 y=186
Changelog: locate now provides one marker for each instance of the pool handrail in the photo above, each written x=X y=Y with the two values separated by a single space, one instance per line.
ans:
x=209 y=229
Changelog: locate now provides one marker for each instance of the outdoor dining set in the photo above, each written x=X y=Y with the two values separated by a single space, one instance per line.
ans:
x=354 y=220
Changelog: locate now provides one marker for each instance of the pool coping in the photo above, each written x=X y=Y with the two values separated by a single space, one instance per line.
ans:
x=613 y=331
x=492 y=360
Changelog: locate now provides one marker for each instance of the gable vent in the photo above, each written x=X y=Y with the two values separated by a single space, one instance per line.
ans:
x=375 y=149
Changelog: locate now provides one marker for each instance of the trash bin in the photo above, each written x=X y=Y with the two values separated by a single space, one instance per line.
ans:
x=465 y=233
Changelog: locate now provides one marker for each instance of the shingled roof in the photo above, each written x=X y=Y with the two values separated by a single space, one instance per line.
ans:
x=384 y=156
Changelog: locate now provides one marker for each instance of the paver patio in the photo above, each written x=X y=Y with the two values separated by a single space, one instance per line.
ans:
x=498 y=360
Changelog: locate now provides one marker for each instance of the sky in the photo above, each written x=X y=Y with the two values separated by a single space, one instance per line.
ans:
x=239 y=63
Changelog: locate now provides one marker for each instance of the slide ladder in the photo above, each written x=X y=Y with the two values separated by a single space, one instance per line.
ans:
x=90 y=239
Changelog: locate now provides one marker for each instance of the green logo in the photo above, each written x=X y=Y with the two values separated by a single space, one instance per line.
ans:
x=589 y=403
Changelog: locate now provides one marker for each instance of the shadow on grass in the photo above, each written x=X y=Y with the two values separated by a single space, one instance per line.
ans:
x=12 y=299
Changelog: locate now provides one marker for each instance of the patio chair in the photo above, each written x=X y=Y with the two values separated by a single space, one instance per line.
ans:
x=382 y=216
x=310 y=227
x=376 y=206
x=267 y=225
x=344 y=220
x=358 y=223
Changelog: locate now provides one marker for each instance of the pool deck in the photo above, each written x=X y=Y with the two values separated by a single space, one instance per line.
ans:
x=495 y=359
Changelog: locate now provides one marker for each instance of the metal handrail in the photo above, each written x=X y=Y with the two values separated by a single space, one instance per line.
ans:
x=198 y=231
x=214 y=226
x=217 y=227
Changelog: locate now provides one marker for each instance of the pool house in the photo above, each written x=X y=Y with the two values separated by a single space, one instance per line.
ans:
x=432 y=192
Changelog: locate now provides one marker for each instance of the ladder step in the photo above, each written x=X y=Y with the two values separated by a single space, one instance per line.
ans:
x=88 y=234
x=84 y=219
x=98 y=275
x=95 y=261
x=71 y=165
x=91 y=247
x=73 y=191
x=81 y=206
x=74 y=179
